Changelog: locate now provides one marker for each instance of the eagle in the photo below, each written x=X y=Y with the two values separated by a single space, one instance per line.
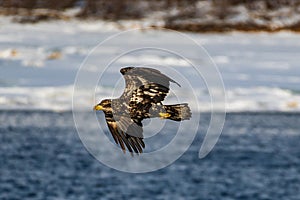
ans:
x=145 y=89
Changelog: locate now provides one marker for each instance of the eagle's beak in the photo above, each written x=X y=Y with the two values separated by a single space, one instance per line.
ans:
x=98 y=107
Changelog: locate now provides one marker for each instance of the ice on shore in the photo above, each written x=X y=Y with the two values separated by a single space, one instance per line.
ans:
x=38 y=65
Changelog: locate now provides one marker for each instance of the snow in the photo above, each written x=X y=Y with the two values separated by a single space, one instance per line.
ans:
x=158 y=60
x=38 y=65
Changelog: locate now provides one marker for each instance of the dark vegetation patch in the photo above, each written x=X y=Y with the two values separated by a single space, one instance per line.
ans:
x=191 y=15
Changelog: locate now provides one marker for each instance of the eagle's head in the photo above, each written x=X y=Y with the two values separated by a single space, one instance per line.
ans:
x=104 y=105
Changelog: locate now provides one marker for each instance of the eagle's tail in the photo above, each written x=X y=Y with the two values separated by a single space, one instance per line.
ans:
x=177 y=112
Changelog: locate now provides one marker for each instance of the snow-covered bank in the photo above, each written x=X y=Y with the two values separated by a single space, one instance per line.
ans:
x=38 y=65
x=60 y=99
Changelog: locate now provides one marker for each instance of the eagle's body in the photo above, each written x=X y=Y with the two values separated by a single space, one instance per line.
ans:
x=142 y=98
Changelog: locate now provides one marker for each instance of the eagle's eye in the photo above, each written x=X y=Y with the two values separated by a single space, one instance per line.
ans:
x=105 y=103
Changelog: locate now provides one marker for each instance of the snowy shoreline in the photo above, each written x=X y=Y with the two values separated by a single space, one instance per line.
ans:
x=38 y=65
x=60 y=99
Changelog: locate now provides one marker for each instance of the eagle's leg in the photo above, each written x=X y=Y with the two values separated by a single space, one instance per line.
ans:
x=177 y=112
x=163 y=115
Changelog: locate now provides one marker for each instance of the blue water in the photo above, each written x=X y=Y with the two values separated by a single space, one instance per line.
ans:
x=257 y=157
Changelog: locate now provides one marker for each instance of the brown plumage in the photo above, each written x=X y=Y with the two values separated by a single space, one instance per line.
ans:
x=145 y=89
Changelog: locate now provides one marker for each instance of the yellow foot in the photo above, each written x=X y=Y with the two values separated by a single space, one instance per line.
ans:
x=164 y=115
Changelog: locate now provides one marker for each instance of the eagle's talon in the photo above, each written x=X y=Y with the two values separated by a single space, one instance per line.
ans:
x=164 y=115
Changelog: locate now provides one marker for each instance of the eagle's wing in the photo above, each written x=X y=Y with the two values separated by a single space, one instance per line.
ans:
x=134 y=141
x=145 y=85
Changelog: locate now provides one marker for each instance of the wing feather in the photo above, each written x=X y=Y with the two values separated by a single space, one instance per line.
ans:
x=123 y=139
x=136 y=144
x=143 y=83
x=133 y=145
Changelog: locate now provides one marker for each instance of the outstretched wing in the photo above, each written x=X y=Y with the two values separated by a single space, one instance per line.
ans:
x=133 y=142
x=151 y=82
x=144 y=86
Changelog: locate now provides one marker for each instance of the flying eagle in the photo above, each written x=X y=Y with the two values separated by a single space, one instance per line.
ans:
x=145 y=89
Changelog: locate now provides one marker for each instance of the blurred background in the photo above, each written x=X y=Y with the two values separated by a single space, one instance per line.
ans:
x=254 y=43
x=192 y=15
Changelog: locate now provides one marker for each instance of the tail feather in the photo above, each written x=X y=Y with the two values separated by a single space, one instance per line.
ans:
x=178 y=112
